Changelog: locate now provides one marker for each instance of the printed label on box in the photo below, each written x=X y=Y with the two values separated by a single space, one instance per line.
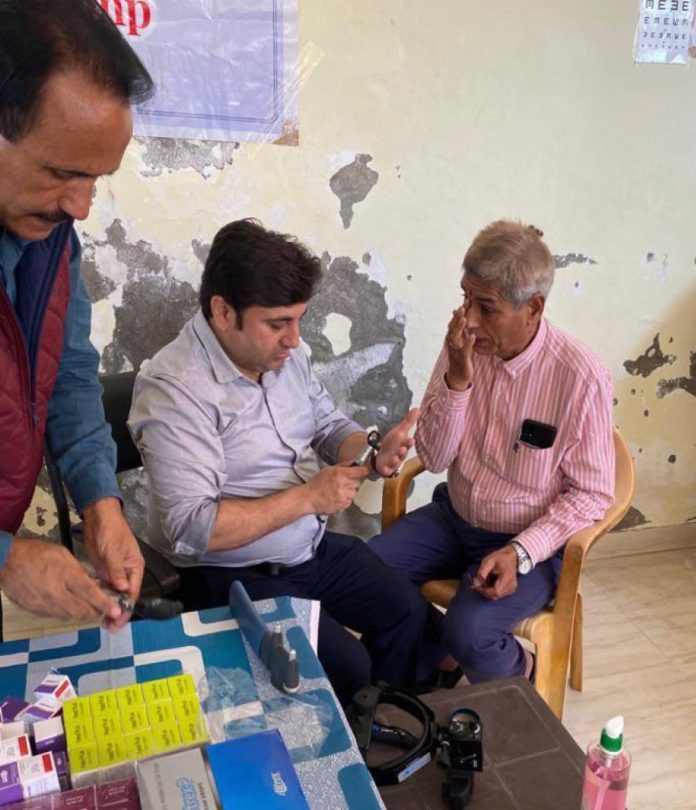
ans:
x=79 y=732
x=140 y=745
x=180 y=685
x=107 y=725
x=177 y=780
x=83 y=758
x=134 y=719
x=77 y=709
x=38 y=775
x=54 y=690
x=15 y=748
x=156 y=690
x=167 y=737
x=103 y=702
x=127 y=696
x=255 y=772
x=161 y=713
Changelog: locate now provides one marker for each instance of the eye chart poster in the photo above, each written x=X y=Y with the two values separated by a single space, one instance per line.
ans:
x=663 y=33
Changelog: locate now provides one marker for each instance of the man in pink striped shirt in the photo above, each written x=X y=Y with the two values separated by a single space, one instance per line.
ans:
x=520 y=415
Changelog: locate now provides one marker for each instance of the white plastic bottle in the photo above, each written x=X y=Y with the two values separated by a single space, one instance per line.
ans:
x=607 y=768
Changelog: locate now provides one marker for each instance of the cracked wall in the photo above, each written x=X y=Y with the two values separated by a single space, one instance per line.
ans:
x=405 y=153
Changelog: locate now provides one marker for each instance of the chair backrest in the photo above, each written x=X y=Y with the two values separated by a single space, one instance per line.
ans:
x=116 y=396
x=161 y=578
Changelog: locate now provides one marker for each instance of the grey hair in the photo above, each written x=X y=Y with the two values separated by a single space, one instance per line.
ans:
x=513 y=259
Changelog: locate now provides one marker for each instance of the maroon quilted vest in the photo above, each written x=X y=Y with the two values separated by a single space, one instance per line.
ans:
x=31 y=342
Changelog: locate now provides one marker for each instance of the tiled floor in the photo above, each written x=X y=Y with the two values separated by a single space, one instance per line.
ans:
x=640 y=661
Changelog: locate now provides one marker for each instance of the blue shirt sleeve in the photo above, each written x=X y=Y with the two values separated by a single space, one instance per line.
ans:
x=5 y=541
x=76 y=428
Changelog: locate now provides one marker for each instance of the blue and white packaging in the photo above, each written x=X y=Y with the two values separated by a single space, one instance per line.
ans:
x=177 y=780
x=255 y=772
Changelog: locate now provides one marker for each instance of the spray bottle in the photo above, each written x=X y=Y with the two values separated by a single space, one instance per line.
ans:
x=606 y=770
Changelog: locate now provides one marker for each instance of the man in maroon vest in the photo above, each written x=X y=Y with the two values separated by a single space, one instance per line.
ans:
x=67 y=79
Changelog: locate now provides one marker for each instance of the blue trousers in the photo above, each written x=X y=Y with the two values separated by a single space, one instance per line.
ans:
x=356 y=590
x=433 y=542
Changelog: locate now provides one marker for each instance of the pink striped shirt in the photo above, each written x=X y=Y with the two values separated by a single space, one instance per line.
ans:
x=497 y=482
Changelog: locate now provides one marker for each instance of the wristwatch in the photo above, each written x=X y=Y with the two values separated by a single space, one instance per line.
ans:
x=524 y=561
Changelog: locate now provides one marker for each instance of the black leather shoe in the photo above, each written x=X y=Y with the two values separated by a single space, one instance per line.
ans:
x=439 y=679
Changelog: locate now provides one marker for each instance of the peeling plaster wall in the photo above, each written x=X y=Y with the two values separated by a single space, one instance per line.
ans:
x=418 y=126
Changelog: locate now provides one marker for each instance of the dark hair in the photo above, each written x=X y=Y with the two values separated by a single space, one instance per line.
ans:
x=249 y=265
x=40 y=37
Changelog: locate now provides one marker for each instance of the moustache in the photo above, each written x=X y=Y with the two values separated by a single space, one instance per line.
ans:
x=54 y=217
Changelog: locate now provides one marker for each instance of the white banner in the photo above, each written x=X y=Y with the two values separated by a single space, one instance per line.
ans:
x=224 y=69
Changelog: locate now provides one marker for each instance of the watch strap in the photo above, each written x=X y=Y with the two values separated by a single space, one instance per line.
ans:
x=524 y=561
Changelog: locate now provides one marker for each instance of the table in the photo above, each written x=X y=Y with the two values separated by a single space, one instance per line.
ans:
x=205 y=644
x=530 y=761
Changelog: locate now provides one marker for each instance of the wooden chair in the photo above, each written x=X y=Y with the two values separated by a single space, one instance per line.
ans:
x=557 y=630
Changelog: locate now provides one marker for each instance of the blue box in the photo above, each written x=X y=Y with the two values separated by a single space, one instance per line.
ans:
x=255 y=772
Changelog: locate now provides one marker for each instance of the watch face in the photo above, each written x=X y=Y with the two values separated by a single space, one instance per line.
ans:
x=525 y=566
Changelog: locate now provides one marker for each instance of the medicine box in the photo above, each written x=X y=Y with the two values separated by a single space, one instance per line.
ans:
x=27 y=777
x=110 y=730
x=54 y=690
x=122 y=795
x=176 y=781
x=255 y=772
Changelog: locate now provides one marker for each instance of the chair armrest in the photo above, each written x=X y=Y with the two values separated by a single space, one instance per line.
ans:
x=395 y=492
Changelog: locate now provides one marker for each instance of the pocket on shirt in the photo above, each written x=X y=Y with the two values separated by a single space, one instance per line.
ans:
x=532 y=467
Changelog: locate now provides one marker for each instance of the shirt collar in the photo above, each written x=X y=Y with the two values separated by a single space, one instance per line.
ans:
x=518 y=364
x=11 y=249
x=223 y=368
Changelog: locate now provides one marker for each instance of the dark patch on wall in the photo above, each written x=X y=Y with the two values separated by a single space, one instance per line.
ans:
x=98 y=286
x=366 y=259
x=687 y=384
x=672 y=458
x=652 y=359
x=572 y=258
x=200 y=251
x=152 y=314
x=367 y=382
x=154 y=305
x=632 y=519
x=351 y=184
x=162 y=155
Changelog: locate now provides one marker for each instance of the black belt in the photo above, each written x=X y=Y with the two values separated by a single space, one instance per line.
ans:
x=269 y=569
